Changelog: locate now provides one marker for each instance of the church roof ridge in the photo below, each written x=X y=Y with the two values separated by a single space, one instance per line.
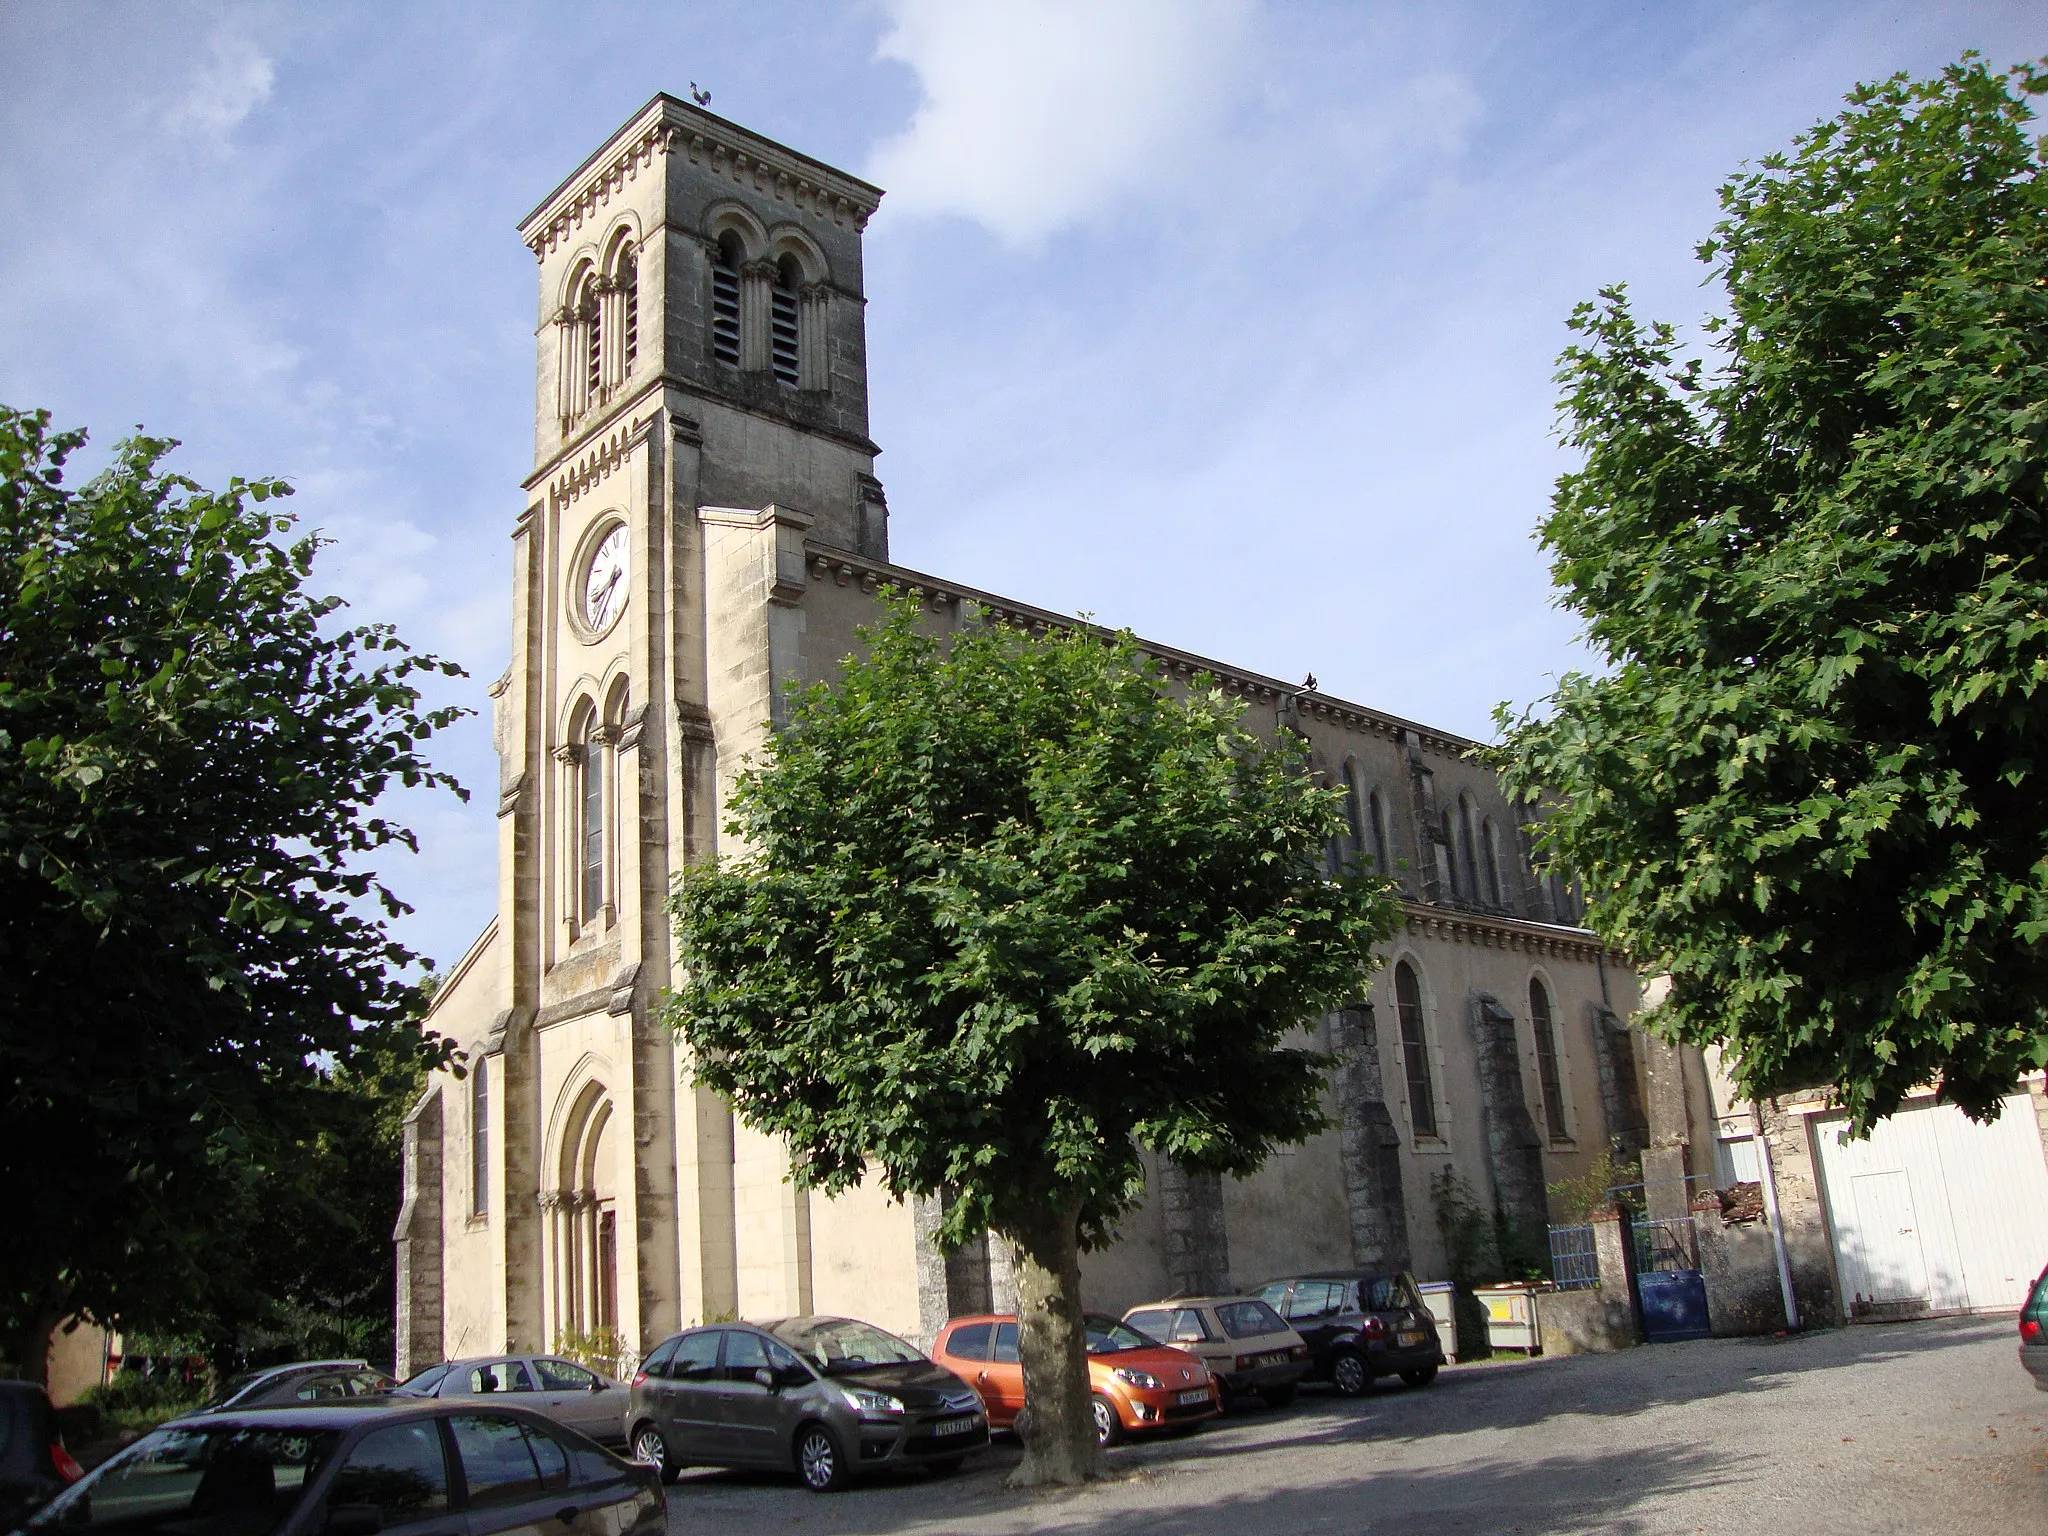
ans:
x=1254 y=684
x=666 y=121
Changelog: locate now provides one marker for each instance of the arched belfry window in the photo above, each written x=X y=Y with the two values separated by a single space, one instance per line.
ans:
x=725 y=300
x=1543 y=1025
x=626 y=277
x=1415 y=1050
x=784 y=345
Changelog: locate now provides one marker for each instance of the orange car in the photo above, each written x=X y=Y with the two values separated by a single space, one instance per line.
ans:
x=1139 y=1383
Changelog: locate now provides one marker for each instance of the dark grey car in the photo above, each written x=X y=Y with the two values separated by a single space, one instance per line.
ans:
x=1357 y=1325
x=570 y=1394
x=361 y=1468
x=826 y=1397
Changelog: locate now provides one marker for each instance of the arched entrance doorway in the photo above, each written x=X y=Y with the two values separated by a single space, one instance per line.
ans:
x=580 y=1237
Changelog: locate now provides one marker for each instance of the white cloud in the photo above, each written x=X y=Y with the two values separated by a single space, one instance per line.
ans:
x=233 y=81
x=1035 y=113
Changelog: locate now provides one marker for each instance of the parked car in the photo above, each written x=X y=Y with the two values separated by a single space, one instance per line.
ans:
x=1138 y=1384
x=2034 y=1332
x=1248 y=1347
x=1359 y=1325
x=827 y=1397
x=34 y=1466
x=357 y=1467
x=586 y=1401
x=302 y=1381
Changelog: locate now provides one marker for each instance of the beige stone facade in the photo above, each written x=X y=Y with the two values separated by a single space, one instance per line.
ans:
x=702 y=529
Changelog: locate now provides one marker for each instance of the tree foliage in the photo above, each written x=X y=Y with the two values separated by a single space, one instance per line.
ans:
x=1810 y=785
x=193 y=958
x=1009 y=912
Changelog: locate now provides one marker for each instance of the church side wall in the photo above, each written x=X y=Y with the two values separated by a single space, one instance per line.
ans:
x=472 y=1312
x=864 y=1258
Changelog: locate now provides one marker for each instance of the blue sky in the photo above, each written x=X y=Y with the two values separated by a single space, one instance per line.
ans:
x=1232 y=322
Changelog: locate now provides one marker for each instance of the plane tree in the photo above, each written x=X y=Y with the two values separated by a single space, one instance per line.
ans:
x=1808 y=782
x=1010 y=911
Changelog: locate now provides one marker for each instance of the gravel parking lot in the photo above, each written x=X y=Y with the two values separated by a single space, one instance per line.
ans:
x=1912 y=1427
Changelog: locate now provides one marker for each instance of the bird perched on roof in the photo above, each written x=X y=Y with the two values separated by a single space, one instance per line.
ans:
x=699 y=95
x=1309 y=682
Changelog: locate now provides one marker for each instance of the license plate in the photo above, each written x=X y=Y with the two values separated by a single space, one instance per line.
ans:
x=1410 y=1340
x=1278 y=1357
x=1194 y=1397
x=956 y=1426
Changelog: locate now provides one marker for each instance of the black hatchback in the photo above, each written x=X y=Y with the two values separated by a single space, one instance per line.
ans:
x=825 y=1397
x=1359 y=1325
x=358 y=1469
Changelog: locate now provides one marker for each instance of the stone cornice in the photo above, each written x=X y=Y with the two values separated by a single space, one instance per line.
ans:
x=844 y=566
x=667 y=126
x=1513 y=933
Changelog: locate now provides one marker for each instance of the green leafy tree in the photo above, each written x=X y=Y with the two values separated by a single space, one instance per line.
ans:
x=1010 y=912
x=191 y=952
x=1809 y=785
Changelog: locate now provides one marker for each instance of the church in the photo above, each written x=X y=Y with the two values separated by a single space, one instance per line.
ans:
x=703 y=527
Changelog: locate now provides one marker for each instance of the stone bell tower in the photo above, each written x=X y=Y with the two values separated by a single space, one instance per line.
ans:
x=700 y=388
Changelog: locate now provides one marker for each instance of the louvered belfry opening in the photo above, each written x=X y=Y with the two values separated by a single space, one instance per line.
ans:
x=725 y=303
x=629 y=292
x=782 y=331
x=593 y=346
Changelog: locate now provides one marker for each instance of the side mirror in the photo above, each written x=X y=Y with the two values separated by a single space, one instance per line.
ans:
x=597 y=1383
x=354 y=1520
x=765 y=1377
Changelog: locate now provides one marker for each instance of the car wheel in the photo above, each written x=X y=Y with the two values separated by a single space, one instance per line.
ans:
x=1279 y=1397
x=818 y=1460
x=946 y=1466
x=1109 y=1429
x=651 y=1447
x=1226 y=1400
x=1421 y=1376
x=1350 y=1375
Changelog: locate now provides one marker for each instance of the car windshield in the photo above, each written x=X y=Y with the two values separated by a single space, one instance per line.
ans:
x=195 y=1480
x=235 y=1387
x=837 y=1345
x=1248 y=1319
x=1108 y=1337
x=424 y=1382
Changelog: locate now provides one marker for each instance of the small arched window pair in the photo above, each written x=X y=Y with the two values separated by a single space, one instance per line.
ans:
x=601 y=326
x=1365 y=817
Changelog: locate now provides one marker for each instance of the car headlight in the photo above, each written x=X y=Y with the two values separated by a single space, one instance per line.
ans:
x=1137 y=1378
x=873 y=1405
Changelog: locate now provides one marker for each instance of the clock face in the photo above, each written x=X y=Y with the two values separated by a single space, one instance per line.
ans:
x=604 y=580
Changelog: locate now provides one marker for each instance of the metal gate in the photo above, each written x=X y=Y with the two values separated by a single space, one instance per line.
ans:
x=1574 y=1261
x=1669 y=1286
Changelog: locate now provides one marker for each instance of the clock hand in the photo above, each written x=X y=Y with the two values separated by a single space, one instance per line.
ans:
x=601 y=603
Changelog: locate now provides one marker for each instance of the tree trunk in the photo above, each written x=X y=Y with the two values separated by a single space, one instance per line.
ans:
x=1058 y=1429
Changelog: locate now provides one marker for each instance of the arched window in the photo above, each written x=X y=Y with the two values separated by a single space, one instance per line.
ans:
x=480 y=1137
x=725 y=301
x=1489 y=849
x=783 y=349
x=593 y=343
x=1451 y=858
x=1376 y=825
x=1354 y=816
x=1473 y=891
x=1544 y=1026
x=590 y=826
x=1415 y=1050
x=627 y=276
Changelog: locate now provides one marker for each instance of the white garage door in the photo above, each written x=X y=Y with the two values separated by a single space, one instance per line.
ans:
x=1935 y=1211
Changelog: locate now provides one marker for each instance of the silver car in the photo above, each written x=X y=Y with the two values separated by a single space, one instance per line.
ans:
x=570 y=1394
